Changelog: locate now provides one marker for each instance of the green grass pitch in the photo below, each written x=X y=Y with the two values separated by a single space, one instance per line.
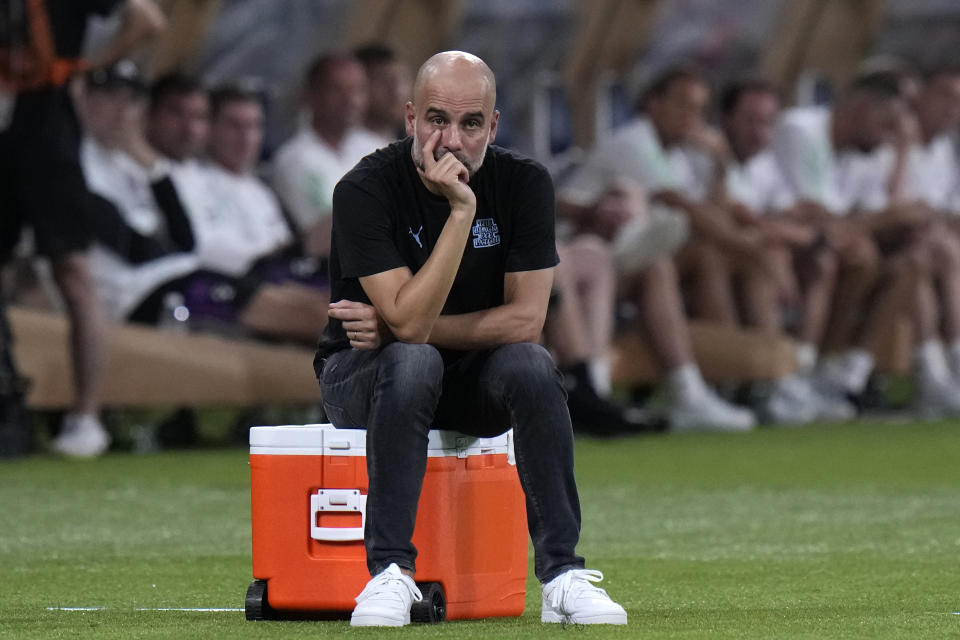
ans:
x=846 y=531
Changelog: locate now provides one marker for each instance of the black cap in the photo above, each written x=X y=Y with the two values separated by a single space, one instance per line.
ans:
x=123 y=74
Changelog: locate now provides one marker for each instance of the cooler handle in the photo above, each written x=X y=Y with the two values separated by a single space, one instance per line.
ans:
x=337 y=501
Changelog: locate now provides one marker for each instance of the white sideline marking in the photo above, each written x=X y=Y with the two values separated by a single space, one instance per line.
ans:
x=200 y=609
x=194 y=609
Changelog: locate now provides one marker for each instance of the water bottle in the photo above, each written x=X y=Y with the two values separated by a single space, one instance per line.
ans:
x=175 y=315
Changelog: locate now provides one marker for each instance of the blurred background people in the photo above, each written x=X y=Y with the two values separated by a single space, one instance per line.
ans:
x=389 y=84
x=41 y=183
x=329 y=143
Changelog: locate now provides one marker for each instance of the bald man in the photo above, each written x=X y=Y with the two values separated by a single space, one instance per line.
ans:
x=451 y=240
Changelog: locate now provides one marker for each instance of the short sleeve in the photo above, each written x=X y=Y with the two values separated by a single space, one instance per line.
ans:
x=362 y=232
x=533 y=245
x=804 y=164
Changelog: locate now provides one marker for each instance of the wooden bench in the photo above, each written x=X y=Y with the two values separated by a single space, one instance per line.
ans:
x=150 y=367
x=722 y=353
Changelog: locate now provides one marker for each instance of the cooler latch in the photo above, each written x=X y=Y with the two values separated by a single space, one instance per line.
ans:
x=337 y=501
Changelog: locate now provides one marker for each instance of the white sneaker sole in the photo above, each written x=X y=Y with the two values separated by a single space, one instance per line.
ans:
x=372 y=620
x=601 y=618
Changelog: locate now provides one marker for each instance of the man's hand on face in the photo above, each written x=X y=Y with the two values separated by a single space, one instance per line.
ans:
x=364 y=328
x=447 y=177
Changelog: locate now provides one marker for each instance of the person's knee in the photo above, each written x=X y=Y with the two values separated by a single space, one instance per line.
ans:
x=414 y=370
x=72 y=274
x=525 y=367
x=862 y=255
x=825 y=266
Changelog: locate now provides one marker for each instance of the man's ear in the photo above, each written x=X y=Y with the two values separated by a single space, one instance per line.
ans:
x=409 y=118
x=493 y=126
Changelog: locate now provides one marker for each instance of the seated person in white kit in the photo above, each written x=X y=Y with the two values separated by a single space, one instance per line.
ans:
x=451 y=240
x=143 y=238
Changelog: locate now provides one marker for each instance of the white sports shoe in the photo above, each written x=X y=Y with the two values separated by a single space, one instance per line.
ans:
x=571 y=597
x=936 y=399
x=386 y=600
x=709 y=412
x=792 y=402
x=82 y=436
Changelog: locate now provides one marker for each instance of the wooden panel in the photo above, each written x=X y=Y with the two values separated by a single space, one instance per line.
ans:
x=415 y=28
x=611 y=34
x=829 y=36
x=147 y=367
x=722 y=353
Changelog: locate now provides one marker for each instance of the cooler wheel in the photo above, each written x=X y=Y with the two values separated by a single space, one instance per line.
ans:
x=256 y=606
x=433 y=607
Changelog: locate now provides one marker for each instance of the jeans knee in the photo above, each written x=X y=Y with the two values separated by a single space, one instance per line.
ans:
x=414 y=371
x=526 y=368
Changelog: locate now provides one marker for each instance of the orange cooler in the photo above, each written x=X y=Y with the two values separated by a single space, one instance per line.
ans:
x=309 y=491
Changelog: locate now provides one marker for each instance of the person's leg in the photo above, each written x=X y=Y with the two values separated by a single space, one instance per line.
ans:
x=694 y=405
x=393 y=394
x=762 y=291
x=518 y=386
x=657 y=294
x=859 y=267
x=711 y=275
x=578 y=331
x=88 y=325
x=819 y=278
x=945 y=259
x=565 y=330
x=289 y=311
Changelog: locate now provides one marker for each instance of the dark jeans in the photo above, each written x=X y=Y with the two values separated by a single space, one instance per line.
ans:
x=398 y=392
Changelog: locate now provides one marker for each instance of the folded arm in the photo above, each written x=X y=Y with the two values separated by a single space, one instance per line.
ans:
x=519 y=319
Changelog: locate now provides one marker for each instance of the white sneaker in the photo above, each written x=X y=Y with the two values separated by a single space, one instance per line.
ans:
x=832 y=407
x=570 y=597
x=792 y=402
x=709 y=412
x=82 y=436
x=936 y=399
x=386 y=600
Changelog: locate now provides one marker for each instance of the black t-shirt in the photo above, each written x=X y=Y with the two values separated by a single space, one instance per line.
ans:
x=384 y=217
x=44 y=128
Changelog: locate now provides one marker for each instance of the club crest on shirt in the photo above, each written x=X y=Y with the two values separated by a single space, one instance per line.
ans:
x=485 y=233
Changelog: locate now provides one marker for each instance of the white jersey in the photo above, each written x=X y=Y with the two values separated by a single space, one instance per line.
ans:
x=306 y=169
x=759 y=185
x=840 y=182
x=236 y=218
x=118 y=178
x=634 y=152
x=933 y=175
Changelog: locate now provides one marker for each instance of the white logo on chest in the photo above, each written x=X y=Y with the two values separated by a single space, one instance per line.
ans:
x=486 y=233
x=416 y=236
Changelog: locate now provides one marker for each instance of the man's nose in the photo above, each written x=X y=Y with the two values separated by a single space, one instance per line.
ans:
x=451 y=138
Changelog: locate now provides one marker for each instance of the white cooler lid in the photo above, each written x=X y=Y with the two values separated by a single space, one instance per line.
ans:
x=325 y=439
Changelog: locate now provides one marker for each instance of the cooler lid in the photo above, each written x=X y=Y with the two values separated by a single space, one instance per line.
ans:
x=325 y=439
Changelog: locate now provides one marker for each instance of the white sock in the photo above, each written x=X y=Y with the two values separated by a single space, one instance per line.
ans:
x=954 y=355
x=599 y=369
x=857 y=366
x=686 y=383
x=806 y=354
x=931 y=361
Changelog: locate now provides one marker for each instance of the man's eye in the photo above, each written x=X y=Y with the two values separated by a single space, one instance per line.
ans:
x=473 y=124
x=436 y=121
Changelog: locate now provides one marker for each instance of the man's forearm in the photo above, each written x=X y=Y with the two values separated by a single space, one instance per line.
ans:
x=506 y=324
x=411 y=314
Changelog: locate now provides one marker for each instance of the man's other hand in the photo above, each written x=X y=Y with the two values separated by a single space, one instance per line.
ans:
x=364 y=328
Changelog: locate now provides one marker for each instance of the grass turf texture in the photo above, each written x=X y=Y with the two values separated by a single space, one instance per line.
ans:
x=822 y=532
